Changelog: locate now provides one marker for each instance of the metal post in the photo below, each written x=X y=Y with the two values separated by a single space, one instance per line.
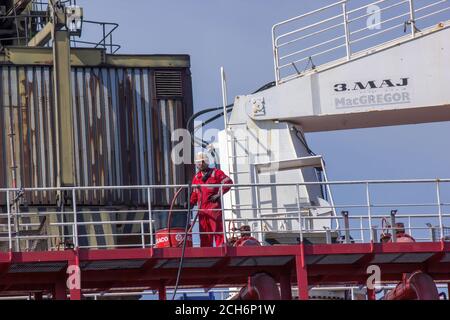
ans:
x=162 y=295
x=286 y=286
x=299 y=208
x=104 y=37
x=371 y=294
x=441 y=222
x=9 y=221
x=59 y=290
x=258 y=204
x=330 y=194
x=412 y=18
x=373 y=234
x=393 y=226
x=26 y=33
x=409 y=225
x=302 y=275
x=361 y=225
x=16 y=224
x=369 y=211
x=150 y=218
x=75 y=219
x=110 y=43
x=142 y=234
x=346 y=226
x=328 y=235
x=223 y=216
x=224 y=96
x=75 y=289
x=347 y=32
x=62 y=99
x=275 y=57
x=432 y=234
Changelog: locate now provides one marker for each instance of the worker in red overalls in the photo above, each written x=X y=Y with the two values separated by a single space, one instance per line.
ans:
x=208 y=200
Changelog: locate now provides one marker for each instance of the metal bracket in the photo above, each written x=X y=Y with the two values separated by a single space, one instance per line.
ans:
x=258 y=106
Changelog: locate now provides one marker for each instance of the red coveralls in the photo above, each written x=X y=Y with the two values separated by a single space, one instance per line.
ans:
x=210 y=220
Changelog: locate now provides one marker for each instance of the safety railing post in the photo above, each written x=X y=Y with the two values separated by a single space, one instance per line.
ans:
x=258 y=209
x=412 y=15
x=393 y=226
x=104 y=36
x=369 y=212
x=361 y=226
x=224 y=227
x=9 y=221
x=299 y=208
x=75 y=219
x=328 y=235
x=373 y=234
x=346 y=30
x=346 y=226
x=142 y=235
x=275 y=57
x=111 y=43
x=441 y=222
x=432 y=233
x=409 y=225
x=150 y=217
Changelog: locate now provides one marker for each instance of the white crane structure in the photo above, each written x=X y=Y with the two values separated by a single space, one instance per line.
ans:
x=336 y=68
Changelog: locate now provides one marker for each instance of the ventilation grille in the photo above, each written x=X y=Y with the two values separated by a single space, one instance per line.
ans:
x=168 y=84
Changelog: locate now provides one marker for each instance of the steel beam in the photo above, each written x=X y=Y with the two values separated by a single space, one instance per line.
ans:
x=43 y=36
x=59 y=290
x=91 y=57
x=75 y=288
x=286 y=285
x=63 y=100
x=302 y=274
x=153 y=274
x=371 y=294
x=162 y=294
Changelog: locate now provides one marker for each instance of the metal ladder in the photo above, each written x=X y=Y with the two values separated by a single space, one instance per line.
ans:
x=232 y=156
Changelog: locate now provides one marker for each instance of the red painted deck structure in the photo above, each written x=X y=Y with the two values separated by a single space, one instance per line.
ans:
x=155 y=269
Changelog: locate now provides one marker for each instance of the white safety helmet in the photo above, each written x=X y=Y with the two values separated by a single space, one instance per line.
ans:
x=201 y=156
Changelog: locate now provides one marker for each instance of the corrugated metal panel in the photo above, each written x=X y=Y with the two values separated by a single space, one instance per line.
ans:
x=122 y=133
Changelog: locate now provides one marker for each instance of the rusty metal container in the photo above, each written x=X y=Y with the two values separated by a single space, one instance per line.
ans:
x=125 y=109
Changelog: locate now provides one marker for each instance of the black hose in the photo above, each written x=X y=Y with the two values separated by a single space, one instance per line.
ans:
x=202 y=112
x=229 y=108
x=180 y=266
x=217 y=116
x=299 y=134
x=266 y=86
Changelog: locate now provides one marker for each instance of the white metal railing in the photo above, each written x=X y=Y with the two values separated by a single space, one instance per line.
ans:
x=367 y=210
x=344 y=30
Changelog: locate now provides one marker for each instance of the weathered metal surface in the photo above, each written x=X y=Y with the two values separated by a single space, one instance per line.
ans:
x=63 y=108
x=44 y=56
x=81 y=57
x=122 y=133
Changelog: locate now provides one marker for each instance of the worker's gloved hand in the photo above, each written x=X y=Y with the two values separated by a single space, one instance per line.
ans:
x=214 y=197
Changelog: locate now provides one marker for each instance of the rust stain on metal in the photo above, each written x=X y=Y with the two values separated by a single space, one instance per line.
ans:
x=122 y=133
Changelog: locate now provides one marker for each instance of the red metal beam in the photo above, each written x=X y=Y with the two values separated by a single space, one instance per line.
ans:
x=162 y=293
x=302 y=274
x=286 y=285
x=223 y=274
